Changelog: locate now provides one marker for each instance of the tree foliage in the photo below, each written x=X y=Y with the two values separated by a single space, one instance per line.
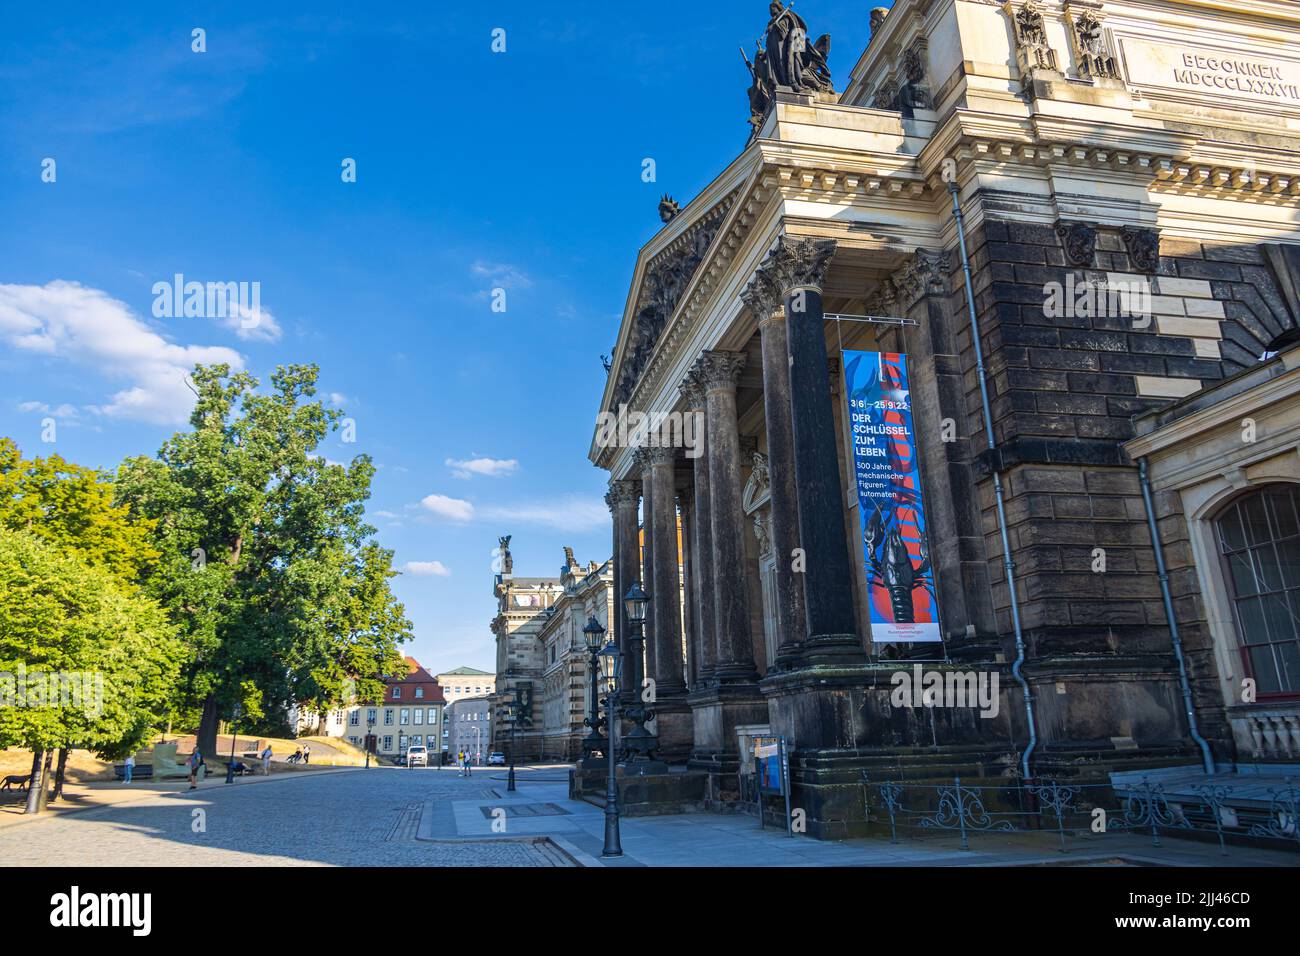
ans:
x=113 y=652
x=266 y=563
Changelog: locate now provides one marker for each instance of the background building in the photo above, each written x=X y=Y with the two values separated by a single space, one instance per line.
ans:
x=467 y=728
x=410 y=713
x=466 y=682
x=541 y=656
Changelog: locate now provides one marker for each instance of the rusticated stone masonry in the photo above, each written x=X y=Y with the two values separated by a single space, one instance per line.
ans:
x=1066 y=383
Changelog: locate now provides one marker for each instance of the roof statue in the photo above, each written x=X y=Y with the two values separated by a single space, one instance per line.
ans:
x=668 y=208
x=784 y=58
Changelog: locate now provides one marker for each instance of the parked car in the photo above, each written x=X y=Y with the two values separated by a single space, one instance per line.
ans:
x=417 y=757
x=496 y=759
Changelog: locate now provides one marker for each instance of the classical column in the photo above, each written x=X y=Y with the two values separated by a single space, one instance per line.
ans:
x=624 y=497
x=642 y=458
x=666 y=597
x=690 y=613
x=701 y=577
x=718 y=372
x=763 y=297
x=798 y=267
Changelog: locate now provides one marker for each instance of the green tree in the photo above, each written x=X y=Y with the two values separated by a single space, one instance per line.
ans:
x=86 y=659
x=267 y=563
x=73 y=508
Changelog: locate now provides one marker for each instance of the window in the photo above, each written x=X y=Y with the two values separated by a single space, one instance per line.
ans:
x=370 y=715
x=397 y=693
x=406 y=716
x=419 y=692
x=388 y=743
x=419 y=715
x=388 y=716
x=417 y=740
x=354 y=718
x=402 y=742
x=1259 y=539
x=433 y=715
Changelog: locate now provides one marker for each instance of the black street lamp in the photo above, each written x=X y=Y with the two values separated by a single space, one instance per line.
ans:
x=594 y=742
x=370 y=737
x=230 y=767
x=640 y=745
x=511 y=717
x=611 y=669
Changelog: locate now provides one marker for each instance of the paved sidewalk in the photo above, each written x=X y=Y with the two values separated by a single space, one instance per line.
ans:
x=113 y=793
x=541 y=807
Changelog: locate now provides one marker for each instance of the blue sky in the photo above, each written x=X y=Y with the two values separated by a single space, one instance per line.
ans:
x=475 y=170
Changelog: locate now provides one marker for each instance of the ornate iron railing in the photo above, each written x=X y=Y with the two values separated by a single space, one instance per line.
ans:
x=1073 y=809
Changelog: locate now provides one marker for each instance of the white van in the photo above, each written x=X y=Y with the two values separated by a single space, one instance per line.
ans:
x=417 y=757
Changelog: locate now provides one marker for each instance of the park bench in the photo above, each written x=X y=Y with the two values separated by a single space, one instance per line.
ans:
x=142 y=771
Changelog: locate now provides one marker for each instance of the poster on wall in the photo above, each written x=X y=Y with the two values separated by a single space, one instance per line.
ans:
x=900 y=578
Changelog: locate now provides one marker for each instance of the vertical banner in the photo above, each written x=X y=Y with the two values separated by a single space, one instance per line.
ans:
x=900 y=579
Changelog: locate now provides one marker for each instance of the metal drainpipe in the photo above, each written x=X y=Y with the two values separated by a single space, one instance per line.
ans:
x=1207 y=757
x=1008 y=565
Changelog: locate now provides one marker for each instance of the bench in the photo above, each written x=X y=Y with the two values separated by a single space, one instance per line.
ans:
x=141 y=771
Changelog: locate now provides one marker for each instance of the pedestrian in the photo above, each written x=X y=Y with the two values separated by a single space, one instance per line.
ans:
x=130 y=766
x=195 y=762
x=469 y=769
x=266 y=761
x=306 y=753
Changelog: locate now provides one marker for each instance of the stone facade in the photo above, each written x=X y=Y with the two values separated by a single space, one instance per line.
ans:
x=1131 y=214
x=539 y=636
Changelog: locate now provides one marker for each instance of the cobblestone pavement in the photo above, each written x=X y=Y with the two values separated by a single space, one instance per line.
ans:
x=343 y=818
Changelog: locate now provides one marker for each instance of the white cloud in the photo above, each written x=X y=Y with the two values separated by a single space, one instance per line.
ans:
x=384 y=514
x=88 y=328
x=491 y=467
x=424 y=569
x=250 y=325
x=569 y=513
x=338 y=398
x=44 y=408
x=501 y=274
x=452 y=508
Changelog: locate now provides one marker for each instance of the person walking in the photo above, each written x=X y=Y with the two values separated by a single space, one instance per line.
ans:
x=266 y=761
x=306 y=753
x=469 y=767
x=195 y=762
x=128 y=768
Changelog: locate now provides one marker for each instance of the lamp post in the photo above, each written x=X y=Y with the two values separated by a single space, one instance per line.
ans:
x=594 y=743
x=511 y=717
x=230 y=767
x=611 y=668
x=640 y=745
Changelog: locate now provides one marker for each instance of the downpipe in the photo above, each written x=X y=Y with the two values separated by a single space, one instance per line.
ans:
x=1207 y=757
x=1008 y=565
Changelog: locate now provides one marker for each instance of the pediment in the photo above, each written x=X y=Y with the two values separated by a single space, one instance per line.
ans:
x=662 y=283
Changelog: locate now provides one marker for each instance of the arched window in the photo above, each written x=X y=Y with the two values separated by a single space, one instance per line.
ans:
x=1259 y=538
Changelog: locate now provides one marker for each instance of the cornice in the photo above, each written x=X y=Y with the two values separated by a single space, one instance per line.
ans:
x=1169 y=160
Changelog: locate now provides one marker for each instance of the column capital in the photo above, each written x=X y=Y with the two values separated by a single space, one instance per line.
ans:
x=641 y=456
x=799 y=262
x=621 y=492
x=661 y=454
x=718 y=369
x=762 y=296
x=692 y=391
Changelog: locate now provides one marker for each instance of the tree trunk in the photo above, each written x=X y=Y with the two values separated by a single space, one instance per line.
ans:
x=58 y=774
x=38 y=791
x=207 y=735
x=34 y=783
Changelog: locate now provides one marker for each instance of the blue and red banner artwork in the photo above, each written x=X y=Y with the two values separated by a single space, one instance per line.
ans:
x=900 y=579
